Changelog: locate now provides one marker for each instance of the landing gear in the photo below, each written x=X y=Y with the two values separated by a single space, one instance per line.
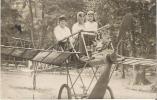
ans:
x=64 y=92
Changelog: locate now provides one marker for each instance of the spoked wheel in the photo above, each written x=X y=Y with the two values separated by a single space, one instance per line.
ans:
x=109 y=93
x=64 y=92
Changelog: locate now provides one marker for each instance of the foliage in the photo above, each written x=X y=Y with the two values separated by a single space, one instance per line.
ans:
x=108 y=11
x=43 y=27
x=53 y=9
x=113 y=11
x=9 y=16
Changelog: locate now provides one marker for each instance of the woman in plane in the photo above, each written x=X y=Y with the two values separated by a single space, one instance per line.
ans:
x=91 y=25
x=77 y=28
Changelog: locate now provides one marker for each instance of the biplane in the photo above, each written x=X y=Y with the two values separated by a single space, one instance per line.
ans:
x=99 y=57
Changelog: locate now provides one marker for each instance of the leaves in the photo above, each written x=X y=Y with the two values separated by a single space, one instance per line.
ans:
x=108 y=11
x=112 y=12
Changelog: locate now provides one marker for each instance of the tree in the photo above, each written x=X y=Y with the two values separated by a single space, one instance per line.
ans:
x=32 y=24
x=9 y=16
x=51 y=10
x=140 y=24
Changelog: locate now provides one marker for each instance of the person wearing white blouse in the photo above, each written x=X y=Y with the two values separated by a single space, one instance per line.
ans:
x=61 y=32
x=91 y=24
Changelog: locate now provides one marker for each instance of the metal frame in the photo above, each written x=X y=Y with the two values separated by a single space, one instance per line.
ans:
x=69 y=80
x=71 y=83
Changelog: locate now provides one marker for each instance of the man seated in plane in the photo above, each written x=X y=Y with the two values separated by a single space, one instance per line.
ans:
x=61 y=31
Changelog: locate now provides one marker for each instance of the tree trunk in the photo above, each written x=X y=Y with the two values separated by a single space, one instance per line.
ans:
x=126 y=26
x=44 y=29
x=139 y=76
x=154 y=86
x=32 y=25
x=122 y=52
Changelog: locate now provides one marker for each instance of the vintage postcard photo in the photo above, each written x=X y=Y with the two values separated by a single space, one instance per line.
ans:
x=78 y=49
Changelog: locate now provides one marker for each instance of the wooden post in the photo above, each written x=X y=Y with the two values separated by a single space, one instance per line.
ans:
x=139 y=75
x=102 y=83
x=34 y=75
x=122 y=66
x=123 y=71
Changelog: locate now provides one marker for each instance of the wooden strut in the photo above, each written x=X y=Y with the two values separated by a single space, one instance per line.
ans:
x=84 y=43
x=102 y=83
x=34 y=75
x=38 y=49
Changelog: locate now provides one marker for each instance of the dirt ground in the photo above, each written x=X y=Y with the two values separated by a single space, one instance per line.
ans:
x=18 y=86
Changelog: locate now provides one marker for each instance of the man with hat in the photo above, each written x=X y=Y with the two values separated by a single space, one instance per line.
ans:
x=61 y=31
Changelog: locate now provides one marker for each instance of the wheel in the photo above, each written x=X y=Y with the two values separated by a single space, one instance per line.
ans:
x=64 y=95
x=109 y=93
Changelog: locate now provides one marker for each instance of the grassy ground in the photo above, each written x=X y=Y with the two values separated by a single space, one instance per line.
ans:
x=18 y=86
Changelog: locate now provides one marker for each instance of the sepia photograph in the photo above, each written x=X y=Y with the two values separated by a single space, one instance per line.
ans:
x=78 y=49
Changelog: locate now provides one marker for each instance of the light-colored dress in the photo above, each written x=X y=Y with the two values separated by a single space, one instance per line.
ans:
x=90 y=37
x=77 y=27
x=91 y=26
